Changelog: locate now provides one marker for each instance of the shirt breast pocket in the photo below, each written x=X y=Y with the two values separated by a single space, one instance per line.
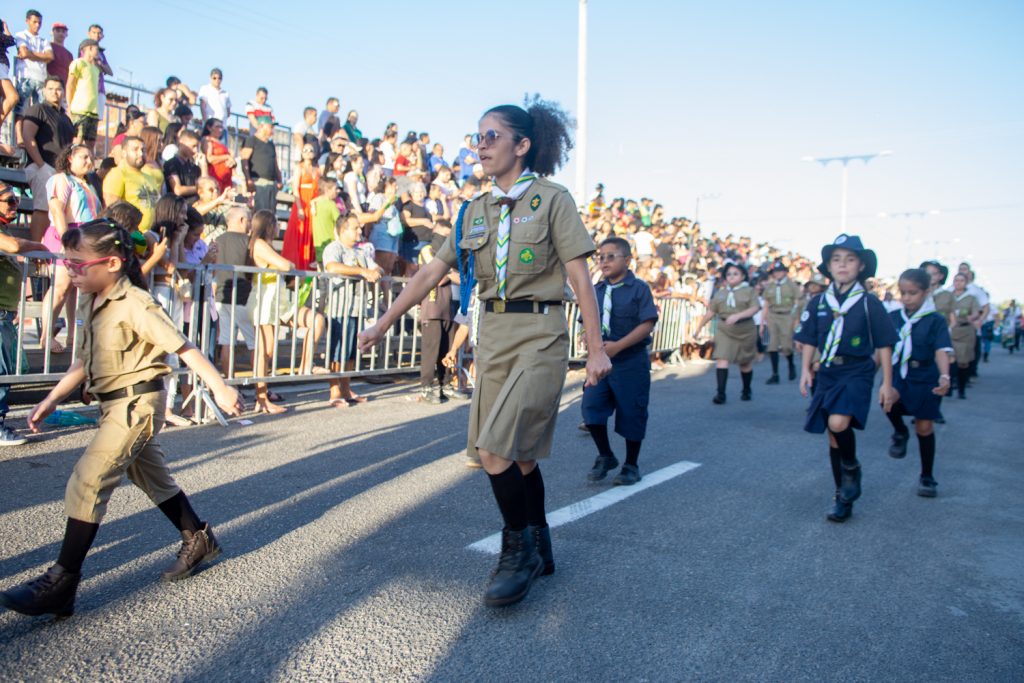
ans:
x=113 y=343
x=529 y=248
x=478 y=245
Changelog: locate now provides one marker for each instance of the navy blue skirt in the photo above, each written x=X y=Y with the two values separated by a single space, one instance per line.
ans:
x=841 y=390
x=916 y=392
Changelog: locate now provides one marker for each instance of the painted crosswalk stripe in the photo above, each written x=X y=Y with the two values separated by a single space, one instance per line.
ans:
x=587 y=506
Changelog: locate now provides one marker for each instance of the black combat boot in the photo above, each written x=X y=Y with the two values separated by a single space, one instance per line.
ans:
x=849 y=483
x=542 y=539
x=841 y=509
x=51 y=593
x=518 y=566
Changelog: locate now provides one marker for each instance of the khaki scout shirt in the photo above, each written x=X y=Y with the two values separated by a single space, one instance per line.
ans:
x=745 y=298
x=123 y=340
x=546 y=233
x=781 y=297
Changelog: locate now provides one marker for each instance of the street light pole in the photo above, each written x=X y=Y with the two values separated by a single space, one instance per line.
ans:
x=845 y=162
x=581 y=107
x=696 y=211
x=907 y=216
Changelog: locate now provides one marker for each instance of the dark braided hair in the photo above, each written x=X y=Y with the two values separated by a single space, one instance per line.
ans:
x=547 y=127
x=107 y=238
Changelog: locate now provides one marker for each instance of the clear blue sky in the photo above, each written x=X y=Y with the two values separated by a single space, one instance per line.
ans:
x=685 y=98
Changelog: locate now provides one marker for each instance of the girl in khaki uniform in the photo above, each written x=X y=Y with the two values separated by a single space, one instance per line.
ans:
x=963 y=321
x=123 y=341
x=520 y=242
x=734 y=304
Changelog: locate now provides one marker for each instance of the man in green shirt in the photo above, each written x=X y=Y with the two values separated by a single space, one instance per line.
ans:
x=10 y=295
x=324 y=208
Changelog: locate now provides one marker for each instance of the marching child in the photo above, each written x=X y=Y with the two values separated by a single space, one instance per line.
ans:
x=847 y=324
x=735 y=303
x=921 y=371
x=628 y=315
x=123 y=342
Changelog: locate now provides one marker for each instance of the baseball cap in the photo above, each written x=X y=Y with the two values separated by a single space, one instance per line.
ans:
x=88 y=42
x=57 y=25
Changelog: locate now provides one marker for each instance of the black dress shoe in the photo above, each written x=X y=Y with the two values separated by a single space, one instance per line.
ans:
x=898 y=447
x=196 y=548
x=926 y=487
x=542 y=539
x=719 y=399
x=602 y=466
x=629 y=475
x=849 y=483
x=841 y=509
x=745 y=395
x=51 y=593
x=518 y=566
x=774 y=379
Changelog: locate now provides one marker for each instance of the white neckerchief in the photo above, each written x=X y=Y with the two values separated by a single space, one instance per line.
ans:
x=730 y=299
x=835 y=333
x=519 y=188
x=901 y=352
x=778 y=291
x=606 y=307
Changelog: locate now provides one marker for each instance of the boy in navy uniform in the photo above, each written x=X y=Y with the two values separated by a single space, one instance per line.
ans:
x=847 y=324
x=628 y=315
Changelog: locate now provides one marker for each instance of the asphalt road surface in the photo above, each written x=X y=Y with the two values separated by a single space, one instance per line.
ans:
x=346 y=534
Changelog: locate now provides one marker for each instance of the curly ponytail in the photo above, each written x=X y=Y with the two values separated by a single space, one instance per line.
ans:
x=548 y=128
x=107 y=238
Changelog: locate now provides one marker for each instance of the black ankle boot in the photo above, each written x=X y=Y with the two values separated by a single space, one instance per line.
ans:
x=542 y=539
x=747 y=378
x=841 y=509
x=51 y=593
x=898 y=447
x=849 y=483
x=518 y=566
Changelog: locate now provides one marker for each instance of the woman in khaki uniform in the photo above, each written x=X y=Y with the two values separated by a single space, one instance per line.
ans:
x=781 y=301
x=521 y=243
x=123 y=341
x=942 y=298
x=734 y=304
x=963 y=329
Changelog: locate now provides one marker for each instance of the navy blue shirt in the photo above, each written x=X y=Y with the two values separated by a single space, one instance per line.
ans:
x=929 y=334
x=867 y=326
x=632 y=304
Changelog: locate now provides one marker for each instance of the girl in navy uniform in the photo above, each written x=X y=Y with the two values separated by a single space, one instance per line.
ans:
x=847 y=324
x=628 y=315
x=735 y=303
x=921 y=371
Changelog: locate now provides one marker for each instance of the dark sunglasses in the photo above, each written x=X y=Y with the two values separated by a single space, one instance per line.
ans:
x=490 y=137
x=12 y=199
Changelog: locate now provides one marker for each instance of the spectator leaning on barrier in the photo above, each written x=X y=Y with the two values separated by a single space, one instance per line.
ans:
x=134 y=182
x=231 y=295
x=259 y=164
x=46 y=131
x=10 y=295
x=84 y=93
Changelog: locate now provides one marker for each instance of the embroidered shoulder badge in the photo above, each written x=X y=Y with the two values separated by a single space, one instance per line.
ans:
x=478 y=221
x=535 y=202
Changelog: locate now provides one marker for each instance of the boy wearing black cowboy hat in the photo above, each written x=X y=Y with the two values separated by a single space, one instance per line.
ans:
x=781 y=303
x=847 y=325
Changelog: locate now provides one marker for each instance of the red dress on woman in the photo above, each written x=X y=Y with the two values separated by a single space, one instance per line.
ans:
x=220 y=172
x=298 y=237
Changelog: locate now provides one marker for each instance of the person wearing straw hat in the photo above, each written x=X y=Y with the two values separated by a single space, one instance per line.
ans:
x=847 y=325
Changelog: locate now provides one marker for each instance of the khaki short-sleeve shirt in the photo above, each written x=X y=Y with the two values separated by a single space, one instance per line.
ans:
x=781 y=297
x=123 y=339
x=546 y=233
x=745 y=297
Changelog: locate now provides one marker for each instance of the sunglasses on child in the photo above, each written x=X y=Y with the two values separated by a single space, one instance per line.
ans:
x=608 y=257
x=79 y=268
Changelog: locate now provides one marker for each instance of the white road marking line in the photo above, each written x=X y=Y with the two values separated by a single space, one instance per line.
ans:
x=570 y=513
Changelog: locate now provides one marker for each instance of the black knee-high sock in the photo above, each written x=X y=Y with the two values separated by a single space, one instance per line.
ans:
x=180 y=512
x=599 y=433
x=962 y=375
x=510 y=492
x=535 y=497
x=721 y=374
x=746 y=377
x=774 y=356
x=791 y=362
x=632 y=452
x=847 y=444
x=927 y=446
x=896 y=418
x=78 y=538
x=833 y=457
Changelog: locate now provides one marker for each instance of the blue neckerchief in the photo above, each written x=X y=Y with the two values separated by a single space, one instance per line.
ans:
x=467 y=281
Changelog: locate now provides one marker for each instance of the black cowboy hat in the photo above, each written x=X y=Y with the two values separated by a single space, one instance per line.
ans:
x=850 y=243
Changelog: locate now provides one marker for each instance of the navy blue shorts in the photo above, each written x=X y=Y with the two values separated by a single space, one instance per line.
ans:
x=625 y=392
x=343 y=339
